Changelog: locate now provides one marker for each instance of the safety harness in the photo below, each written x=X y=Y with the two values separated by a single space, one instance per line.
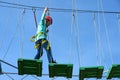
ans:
x=32 y=39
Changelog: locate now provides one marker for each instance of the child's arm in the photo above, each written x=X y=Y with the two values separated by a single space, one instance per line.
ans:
x=45 y=10
x=43 y=15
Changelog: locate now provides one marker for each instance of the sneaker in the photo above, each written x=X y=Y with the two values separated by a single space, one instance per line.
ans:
x=54 y=62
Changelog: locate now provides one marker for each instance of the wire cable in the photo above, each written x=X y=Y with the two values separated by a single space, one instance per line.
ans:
x=10 y=77
x=5 y=30
x=96 y=39
x=107 y=35
x=118 y=17
x=29 y=7
x=100 y=46
x=21 y=34
x=9 y=64
x=71 y=33
x=9 y=45
x=14 y=34
x=76 y=26
x=6 y=6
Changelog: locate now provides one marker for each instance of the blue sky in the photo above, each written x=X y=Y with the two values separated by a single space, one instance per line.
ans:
x=96 y=42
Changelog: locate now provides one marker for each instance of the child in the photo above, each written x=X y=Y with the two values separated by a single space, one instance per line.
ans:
x=41 y=41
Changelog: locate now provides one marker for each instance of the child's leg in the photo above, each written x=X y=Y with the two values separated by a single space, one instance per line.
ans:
x=47 y=47
x=39 y=50
x=39 y=53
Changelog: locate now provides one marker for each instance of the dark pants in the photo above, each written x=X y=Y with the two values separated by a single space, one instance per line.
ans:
x=46 y=46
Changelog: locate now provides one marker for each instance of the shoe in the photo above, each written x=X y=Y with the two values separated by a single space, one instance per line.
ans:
x=54 y=62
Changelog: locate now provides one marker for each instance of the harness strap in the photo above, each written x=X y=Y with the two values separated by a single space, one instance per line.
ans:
x=32 y=39
x=43 y=41
x=36 y=46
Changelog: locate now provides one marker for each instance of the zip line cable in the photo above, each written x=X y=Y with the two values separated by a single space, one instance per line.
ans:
x=29 y=7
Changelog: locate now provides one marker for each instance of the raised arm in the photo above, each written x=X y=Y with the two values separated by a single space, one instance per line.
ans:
x=43 y=16
x=45 y=10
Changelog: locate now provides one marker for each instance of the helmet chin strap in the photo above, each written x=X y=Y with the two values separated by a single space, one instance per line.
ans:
x=46 y=26
x=48 y=13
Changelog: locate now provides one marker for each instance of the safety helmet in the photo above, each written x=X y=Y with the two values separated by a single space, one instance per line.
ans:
x=49 y=18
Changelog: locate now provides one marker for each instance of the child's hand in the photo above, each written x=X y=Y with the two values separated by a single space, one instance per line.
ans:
x=46 y=9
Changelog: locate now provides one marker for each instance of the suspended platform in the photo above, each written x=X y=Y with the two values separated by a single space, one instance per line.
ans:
x=91 y=72
x=63 y=70
x=32 y=67
x=114 y=71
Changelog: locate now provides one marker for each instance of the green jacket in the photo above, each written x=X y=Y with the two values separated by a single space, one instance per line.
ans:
x=41 y=28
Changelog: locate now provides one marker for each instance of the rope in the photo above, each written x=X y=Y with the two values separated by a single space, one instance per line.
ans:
x=99 y=41
x=5 y=30
x=9 y=45
x=99 y=38
x=96 y=39
x=118 y=16
x=97 y=27
x=21 y=35
x=105 y=25
x=71 y=32
x=102 y=53
x=77 y=39
x=78 y=44
x=35 y=19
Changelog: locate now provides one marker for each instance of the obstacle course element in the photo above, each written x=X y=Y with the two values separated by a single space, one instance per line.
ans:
x=91 y=72
x=62 y=70
x=27 y=66
x=114 y=71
